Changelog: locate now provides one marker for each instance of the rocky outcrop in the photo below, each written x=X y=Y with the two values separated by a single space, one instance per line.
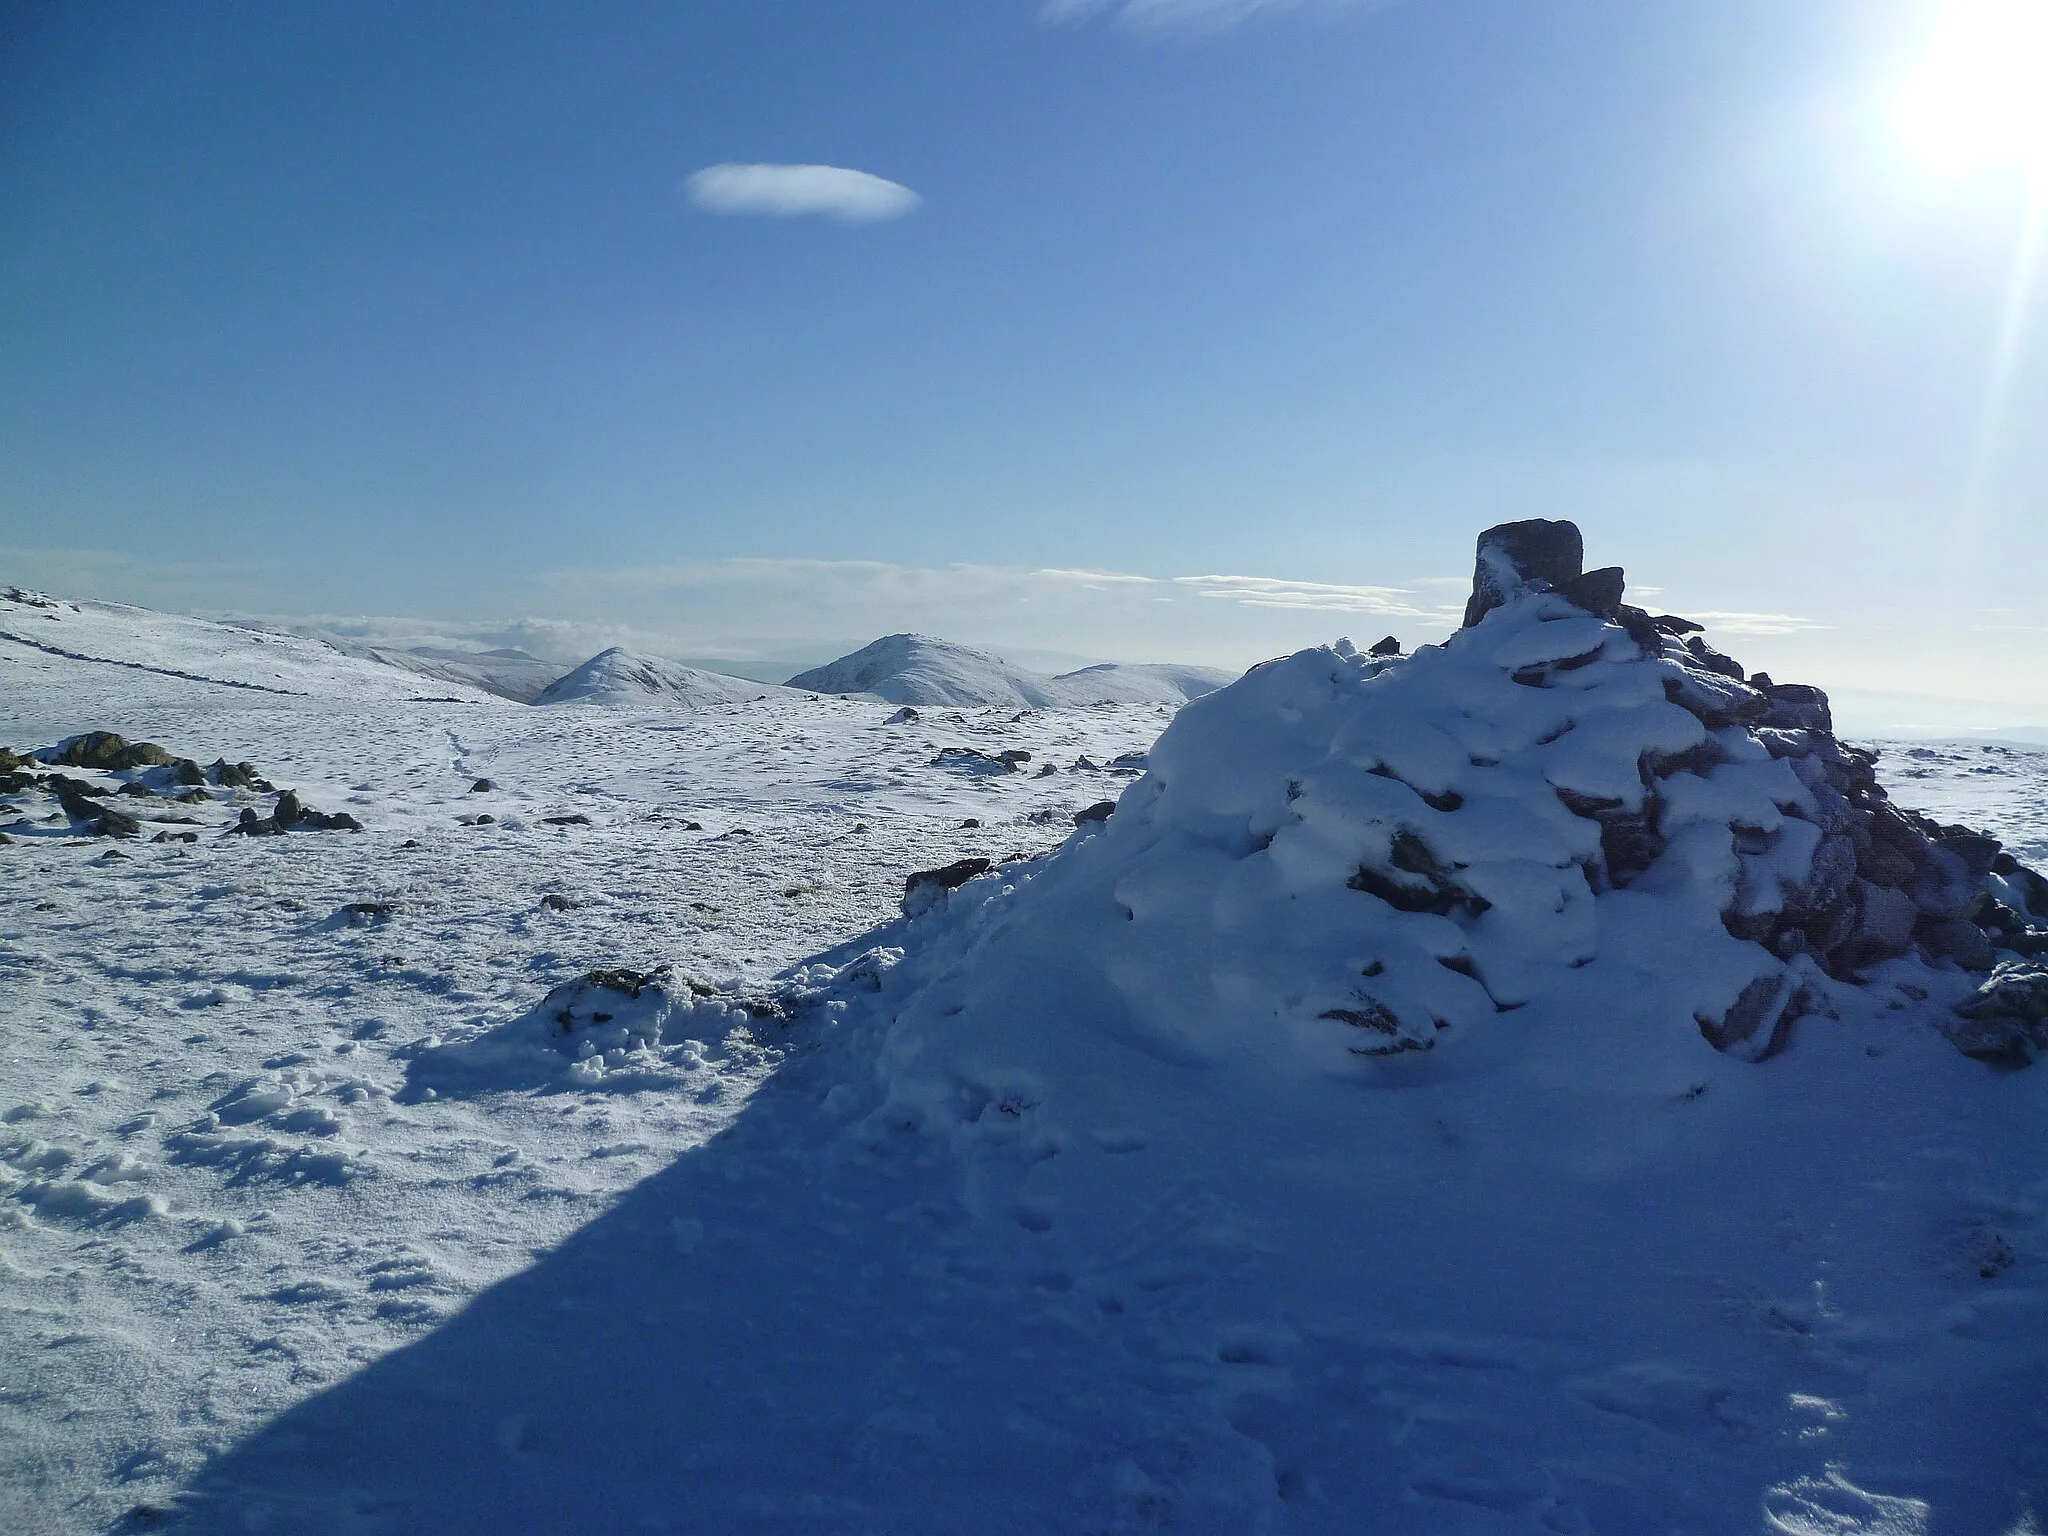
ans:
x=928 y=887
x=1827 y=870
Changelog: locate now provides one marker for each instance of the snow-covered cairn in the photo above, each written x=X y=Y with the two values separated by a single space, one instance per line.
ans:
x=1567 y=796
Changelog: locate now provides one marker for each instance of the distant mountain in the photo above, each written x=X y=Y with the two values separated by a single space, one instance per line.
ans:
x=918 y=669
x=617 y=676
x=509 y=673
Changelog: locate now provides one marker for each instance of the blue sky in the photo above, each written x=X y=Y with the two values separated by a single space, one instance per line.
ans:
x=381 y=309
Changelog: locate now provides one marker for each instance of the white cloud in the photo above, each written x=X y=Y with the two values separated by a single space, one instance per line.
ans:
x=786 y=190
x=1313 y=596
x=1094 y=578
x=1756 y=623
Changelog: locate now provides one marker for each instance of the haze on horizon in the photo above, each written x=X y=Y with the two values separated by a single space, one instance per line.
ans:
x=1153 y=329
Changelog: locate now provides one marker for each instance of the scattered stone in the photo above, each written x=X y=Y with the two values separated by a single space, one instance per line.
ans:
x=135 y=791
x=1390 y=646
x=1046 y=770
x=288 y=811
x=969 y=760
x=484 y=820
x=482 y=786
x=175 y=837
x=187 y=772
x=111 y=854
x=193 y=797
x=108 y=752
x=904 y=716
x=358 y=914
x=578 y=819
x=253 y=825
x=1129 y=762
x=1101 y=810
x=860 y=826
x=556 y=903
x=970 y=823
x=2005 y=1020
x=236 y=775
x=928 y=887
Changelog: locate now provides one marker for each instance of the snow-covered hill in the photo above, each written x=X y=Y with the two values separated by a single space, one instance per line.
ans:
x=172 y=646
x=505 y=671
x=917 y=669
x=617 y=676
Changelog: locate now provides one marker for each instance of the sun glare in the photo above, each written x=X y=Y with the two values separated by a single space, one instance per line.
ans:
x=1979 y=93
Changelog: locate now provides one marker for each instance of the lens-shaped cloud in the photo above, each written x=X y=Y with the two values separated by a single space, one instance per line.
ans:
x=784 y=191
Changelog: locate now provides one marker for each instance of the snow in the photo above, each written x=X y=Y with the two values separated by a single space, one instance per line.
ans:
x=919 y=670
x=504 y=670
x=617 y=676
x=1058 y=1208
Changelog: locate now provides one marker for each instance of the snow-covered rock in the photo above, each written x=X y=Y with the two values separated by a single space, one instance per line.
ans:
x=917 y=669
x=617 y=676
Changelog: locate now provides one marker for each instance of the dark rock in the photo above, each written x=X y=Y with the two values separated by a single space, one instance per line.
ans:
x=17 y=783
x=234 y=775
x=1957 y=939
x=1976 y=850
x=1598 y=592
x=135 y=791
x=904 y=716
x=1944 y=886
x=1641 y=628
x=1716 y=701
x=288 y=810
x=1415 y=881
x=187 y=772
x=1672 y=624
x=193 y=797
x=175 y=837
x=1513 y=553
x=484 y=821
x=106 y=751
x=481 y=786
x=559 y=903
x=1014 y=758
x=968 y=760
x=1387 y=647
x=1885 y=865
x=14 y=762
x=1883 y=927
x=1129 y=762
x=1797 y=707
x=2005 y=1020
x=359 y=914
x=1713 y=660
x=927 y=887
x=576 y=820
x=1759 y=1021
x=1046 y=770
x=970 y=822
x=1101 y=810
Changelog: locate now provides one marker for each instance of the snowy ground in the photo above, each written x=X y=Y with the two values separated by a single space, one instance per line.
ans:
x=232 y=1226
